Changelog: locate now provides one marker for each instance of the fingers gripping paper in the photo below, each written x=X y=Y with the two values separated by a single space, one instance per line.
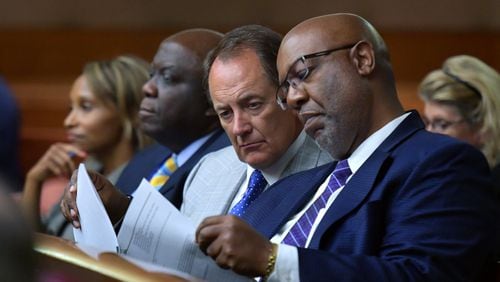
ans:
x=155 y=231
x=96 y=228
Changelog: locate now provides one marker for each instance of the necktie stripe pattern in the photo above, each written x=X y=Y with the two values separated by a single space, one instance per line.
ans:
x=162 y=175
x=297 y=236
x=256 y=185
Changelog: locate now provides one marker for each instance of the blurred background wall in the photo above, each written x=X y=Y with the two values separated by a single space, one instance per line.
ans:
x=44 y=44
x=393 y=14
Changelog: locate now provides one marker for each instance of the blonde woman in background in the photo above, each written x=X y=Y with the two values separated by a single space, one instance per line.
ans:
x=462 y=99
x=102 y=130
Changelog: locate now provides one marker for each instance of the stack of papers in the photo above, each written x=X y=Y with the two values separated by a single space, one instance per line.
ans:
x=153 y=232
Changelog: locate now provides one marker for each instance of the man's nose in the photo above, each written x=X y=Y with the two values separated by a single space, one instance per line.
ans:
x=296 y=97
x=241 y=125
x=150 y=89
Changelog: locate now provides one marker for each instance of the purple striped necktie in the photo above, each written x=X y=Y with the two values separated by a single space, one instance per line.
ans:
x=297 y=236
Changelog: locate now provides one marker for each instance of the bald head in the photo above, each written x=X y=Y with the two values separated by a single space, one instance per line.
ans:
x=198 y=40
x=335 y=71
x=328 y=31
x=175 y=110
x=339 y=29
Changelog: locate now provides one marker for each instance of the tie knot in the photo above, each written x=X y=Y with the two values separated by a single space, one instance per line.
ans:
x=341 y=172
x=342 y=164
x=256 y=177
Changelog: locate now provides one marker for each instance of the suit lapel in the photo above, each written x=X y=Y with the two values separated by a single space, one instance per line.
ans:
x=175 y=177
x=227 y=186
x=184 y=169
x=156 y=157
x=408 y=127
x=289 y=202
x=352 y=194
x=308 y=156
x=364 y=180
x=215 y=181
x=278 y=204
x=143 y=165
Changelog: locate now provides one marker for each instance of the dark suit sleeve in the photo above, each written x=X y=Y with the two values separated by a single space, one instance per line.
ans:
x=436 y=223
x=10 y=168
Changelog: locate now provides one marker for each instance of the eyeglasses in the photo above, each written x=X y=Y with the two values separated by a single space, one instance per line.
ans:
x=299 y=71
x=441 y=125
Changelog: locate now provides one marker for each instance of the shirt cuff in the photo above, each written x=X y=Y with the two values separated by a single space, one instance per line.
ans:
x=287 y=264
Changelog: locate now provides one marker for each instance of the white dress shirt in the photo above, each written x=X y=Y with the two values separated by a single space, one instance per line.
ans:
x=190 y=149
x=287 y=262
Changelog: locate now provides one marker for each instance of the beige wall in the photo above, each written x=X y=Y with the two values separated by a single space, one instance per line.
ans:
x=387 y=14
x=44 y=43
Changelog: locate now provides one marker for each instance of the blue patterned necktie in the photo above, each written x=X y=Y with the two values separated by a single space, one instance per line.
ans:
x=256 y=185
x=297 y=236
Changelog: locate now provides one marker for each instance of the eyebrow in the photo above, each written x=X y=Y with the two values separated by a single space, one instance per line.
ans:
x=247 y=95
x=167 y=68
x=243 y=98
x=219 y=107
x=161 y=68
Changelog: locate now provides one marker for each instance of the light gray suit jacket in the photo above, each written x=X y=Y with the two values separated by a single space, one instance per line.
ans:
x=214 y=181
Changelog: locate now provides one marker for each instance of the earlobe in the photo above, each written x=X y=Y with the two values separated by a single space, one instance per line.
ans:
x=364 y=57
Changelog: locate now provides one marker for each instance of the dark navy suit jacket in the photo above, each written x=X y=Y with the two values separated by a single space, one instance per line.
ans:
x=146 y=162
x=10 y=167
x=419 y=209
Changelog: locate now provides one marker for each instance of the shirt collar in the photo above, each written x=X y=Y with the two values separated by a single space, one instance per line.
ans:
x=189 y=151
x=367 y=147
x=273 y=173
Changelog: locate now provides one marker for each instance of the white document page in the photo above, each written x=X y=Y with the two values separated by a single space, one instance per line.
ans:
x=154 y=230
x=96 y=228
x=159 y=269
x=96 y=254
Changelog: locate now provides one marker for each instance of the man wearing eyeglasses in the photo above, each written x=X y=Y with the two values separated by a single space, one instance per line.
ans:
x=400 y=203
x=266 y=140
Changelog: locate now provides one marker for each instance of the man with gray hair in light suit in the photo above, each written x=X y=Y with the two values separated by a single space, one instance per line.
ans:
x=268 y=142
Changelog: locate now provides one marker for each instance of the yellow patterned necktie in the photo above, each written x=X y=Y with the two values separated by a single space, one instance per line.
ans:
x=162 y=175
